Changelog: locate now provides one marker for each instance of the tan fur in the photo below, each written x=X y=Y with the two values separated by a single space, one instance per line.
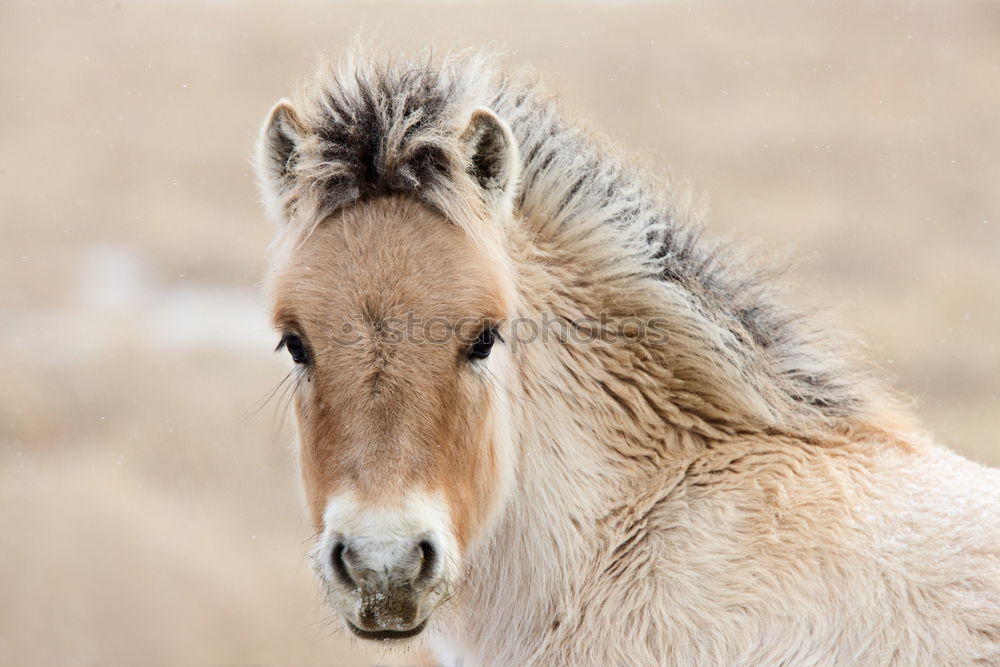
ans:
x=735 y=493
x=383 y=413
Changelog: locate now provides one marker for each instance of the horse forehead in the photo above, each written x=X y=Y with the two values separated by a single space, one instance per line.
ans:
x=383 y=365
x=385 y=260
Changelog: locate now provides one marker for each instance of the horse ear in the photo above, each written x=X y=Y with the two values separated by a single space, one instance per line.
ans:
x=492 y=154
x=277 y=149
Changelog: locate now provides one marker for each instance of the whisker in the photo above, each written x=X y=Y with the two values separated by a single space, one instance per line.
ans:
x=262 y=402
x=283 y=404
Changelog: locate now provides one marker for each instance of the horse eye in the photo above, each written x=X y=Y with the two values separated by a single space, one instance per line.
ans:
x=296 y=348
x=484 y=344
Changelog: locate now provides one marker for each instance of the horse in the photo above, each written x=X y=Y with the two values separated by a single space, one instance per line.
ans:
x=543 y=420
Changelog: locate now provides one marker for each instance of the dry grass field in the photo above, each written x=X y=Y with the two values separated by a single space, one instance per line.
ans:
x=149 y=511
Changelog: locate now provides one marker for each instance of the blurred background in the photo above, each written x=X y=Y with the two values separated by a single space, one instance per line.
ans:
x=149 y=503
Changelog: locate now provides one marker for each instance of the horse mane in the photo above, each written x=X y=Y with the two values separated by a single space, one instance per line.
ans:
x=379 y=126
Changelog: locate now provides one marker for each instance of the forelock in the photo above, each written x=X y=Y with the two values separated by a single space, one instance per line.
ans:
x=377 y=127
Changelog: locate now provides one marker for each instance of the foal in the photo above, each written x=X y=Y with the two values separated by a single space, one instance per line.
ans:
x=543 y=422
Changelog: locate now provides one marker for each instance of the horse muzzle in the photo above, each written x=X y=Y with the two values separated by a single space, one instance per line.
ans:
x=386 y=568
x=386 y=588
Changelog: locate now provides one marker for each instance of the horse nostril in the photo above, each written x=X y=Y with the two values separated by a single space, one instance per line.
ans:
x=339 y=566
x=429 y=556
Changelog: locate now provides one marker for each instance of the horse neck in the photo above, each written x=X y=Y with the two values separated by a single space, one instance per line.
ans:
x=555 y=527
x=575 y=464
x=525 y=571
